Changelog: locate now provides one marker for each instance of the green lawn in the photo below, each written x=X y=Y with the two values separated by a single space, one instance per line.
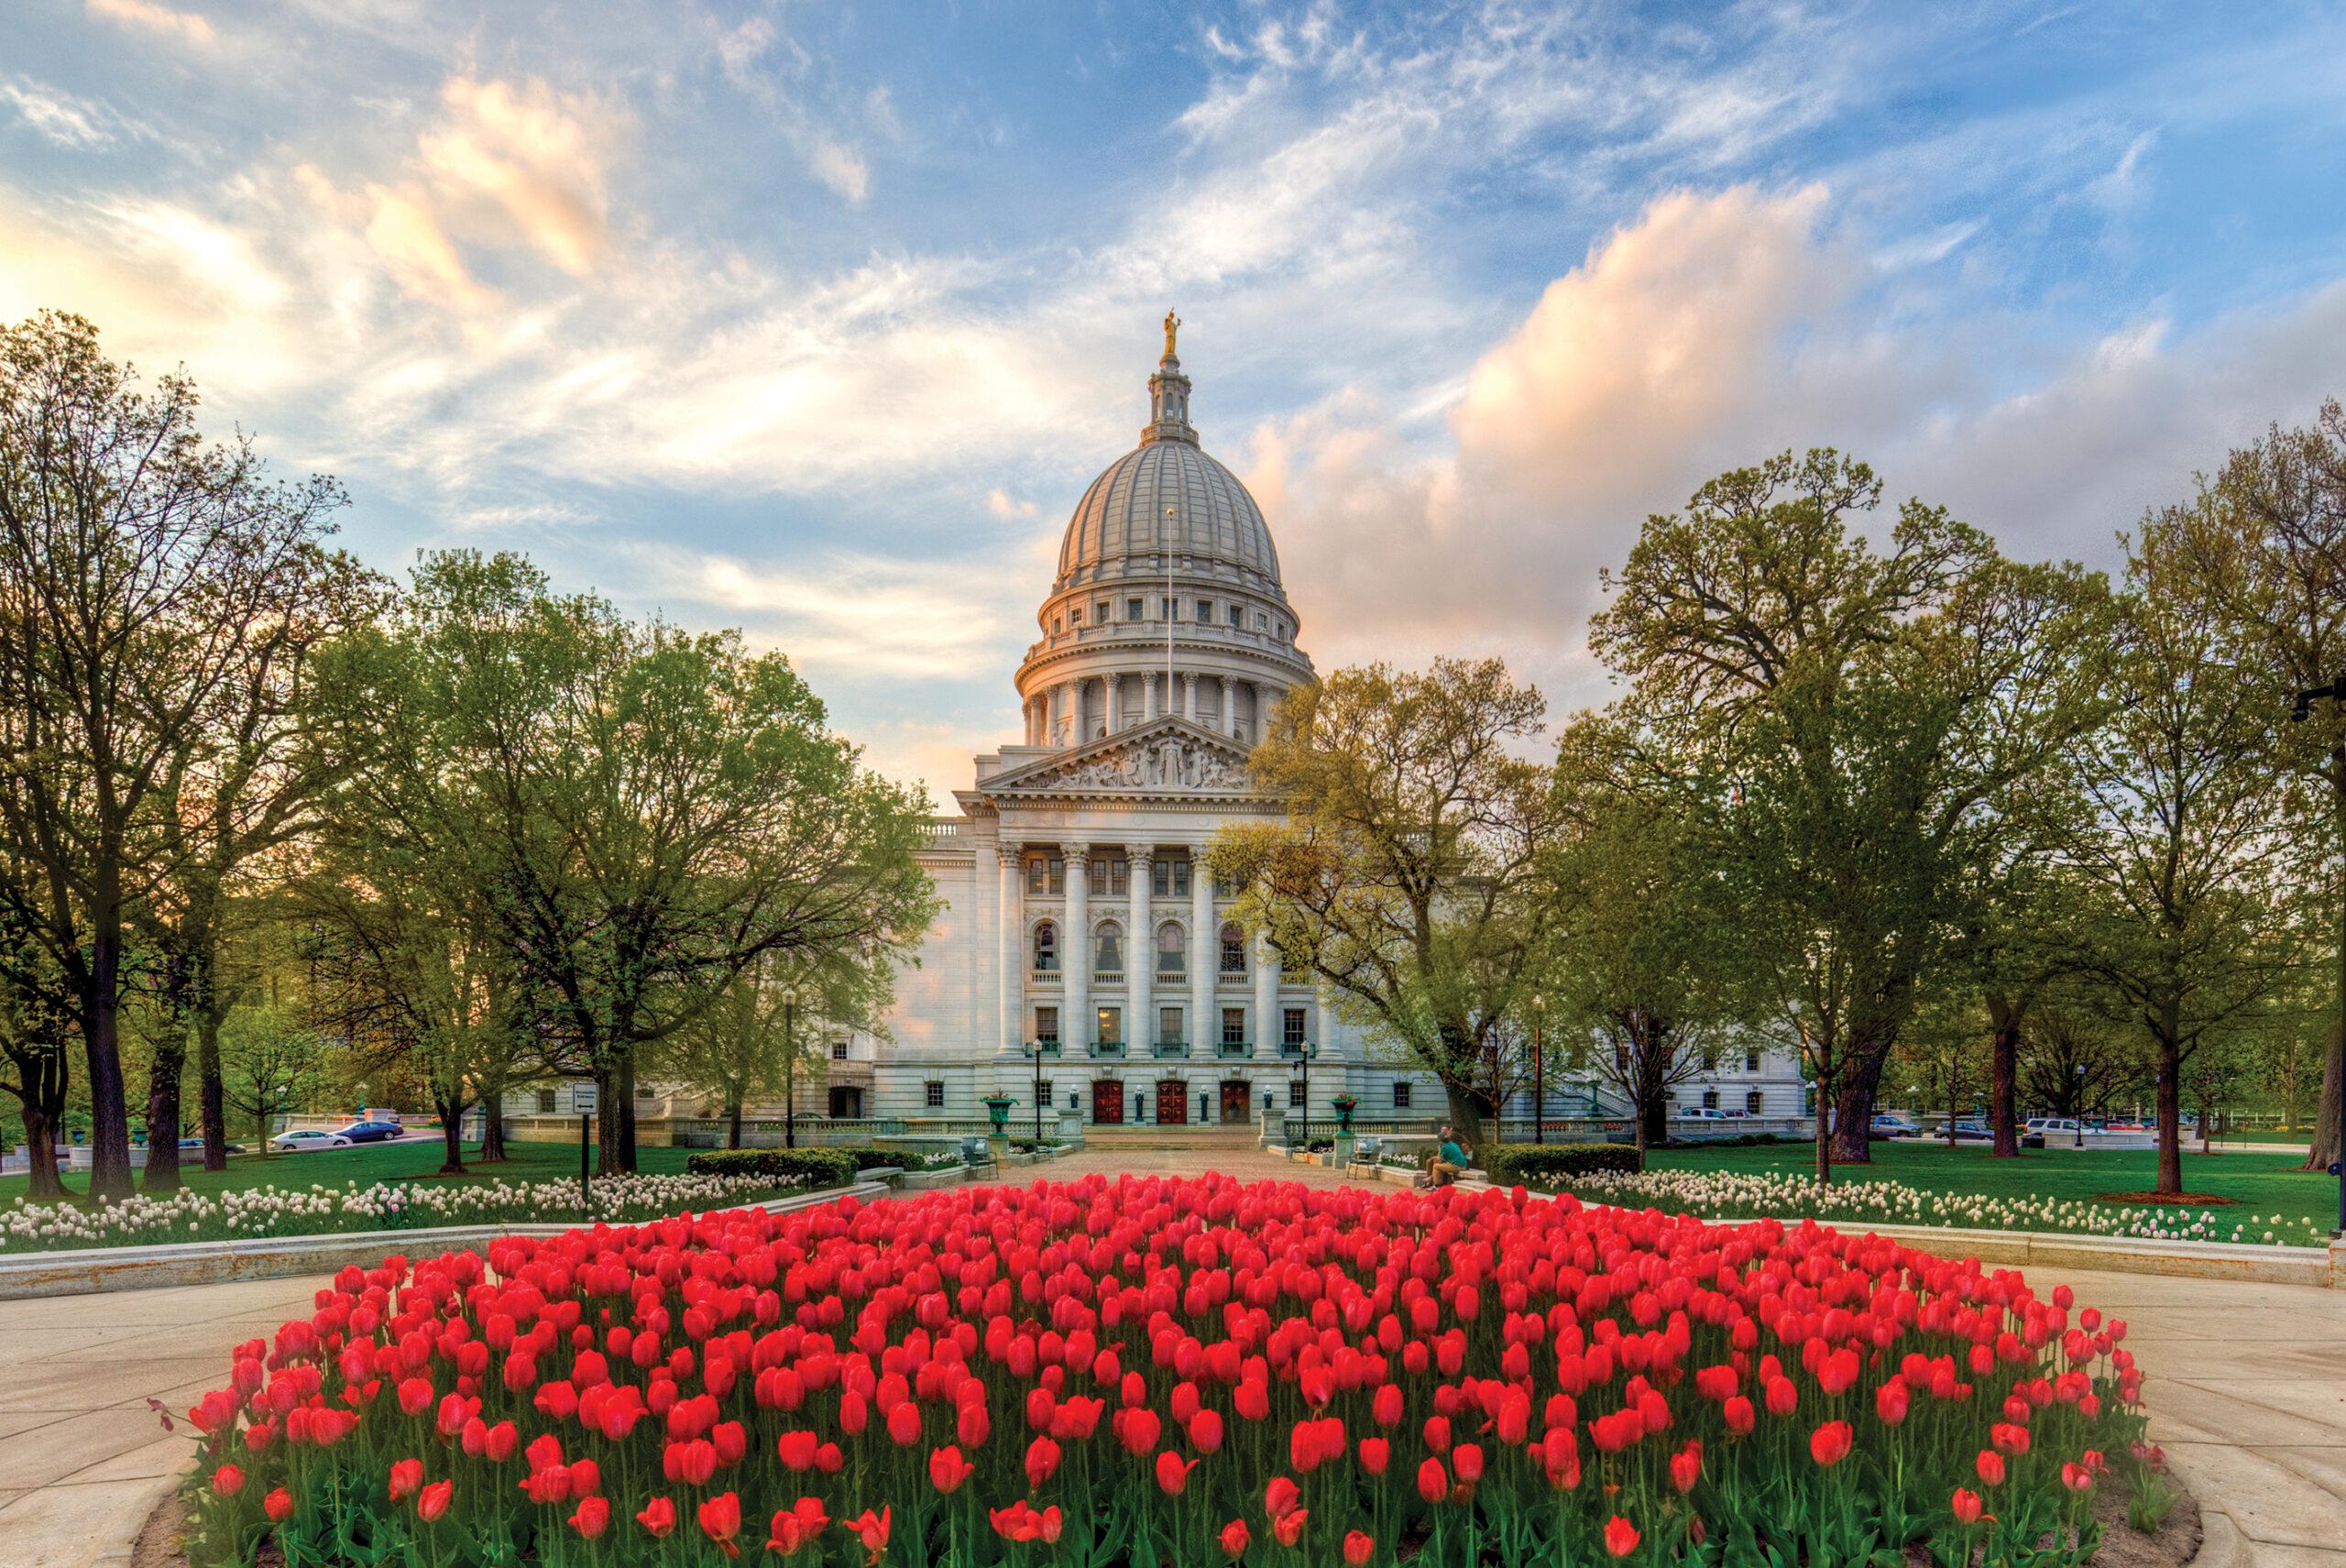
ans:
x=416 y=1159
x=2259 y=1185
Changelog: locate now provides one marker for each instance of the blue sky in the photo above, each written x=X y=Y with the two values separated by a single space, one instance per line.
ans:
x=816 y=318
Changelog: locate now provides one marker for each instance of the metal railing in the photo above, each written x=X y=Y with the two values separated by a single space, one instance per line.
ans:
x=1107 y=1048
x=1233 y=1050
x=1293 y=1049
x=1046 y=1047
x=1166 y=1049
x=1043 y=977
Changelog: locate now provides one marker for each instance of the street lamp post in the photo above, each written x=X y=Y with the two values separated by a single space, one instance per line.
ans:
x=2081 y=1105
x=1309 y=1049
x=2335 y=692
x=1539 y=1069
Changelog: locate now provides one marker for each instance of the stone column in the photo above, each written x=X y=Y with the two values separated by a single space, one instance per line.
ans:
x=1205 y=1018
x=1189 y=696
x=985 y=919
x=1149 y=695
x=1266 y=995
x=1140 y=949
x=1114 y=720
x=1229 y=706
x=1076 y=956
x=1011 y=919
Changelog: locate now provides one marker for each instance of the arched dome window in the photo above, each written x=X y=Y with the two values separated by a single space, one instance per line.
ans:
x=1046 y=948
x=1108 y=949
x=1172 y=949
x=1233 y=949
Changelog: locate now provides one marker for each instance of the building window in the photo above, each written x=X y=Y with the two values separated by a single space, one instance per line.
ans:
x=1400 y=1095
x=1233 y=1025
x=1710 y=1058
x=934 y=1094
x=1100 y=613
x=547 y=1102
x=1753 y=1100
x=1046 y=873
x=1233 y=949
x=1172 y=960
x=1108 y=949
x=1135 y=610
x=1237 y=616
x=1043 y=1095
x=1262 y=621
x=1110 y=875
x=1621 y=1057
x=1168 y=1024
x=1047 y=1026
x=1170 y=879
x=1046 y=948
x=838 y=1050
x=1165 y=608
x=1112 y=1025
x=1291 y=1026
x=1205 y=612
x=1710 y=1100
x=1075 y=616
x=1751 y=1061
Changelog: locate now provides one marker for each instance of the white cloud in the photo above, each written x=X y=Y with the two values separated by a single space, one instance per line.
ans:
x=841 y=168
x=189 y=27
x=57 y=116
x=999 y=504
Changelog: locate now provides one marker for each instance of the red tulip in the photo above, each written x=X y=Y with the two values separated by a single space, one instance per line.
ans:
x=2076 y=1477
x=1172 y=1474
x=227 y=1481
x=657 y=1517
x=1281 y=1498
x=1205 y=1431
x=1990 y=1466
x=432 y=1502
x=278 y=1506
x=592 y=1517
x=1621 y=1536
x=720 y=1520
x=871 y=1529
x=1375 y=1454
x=1966 y=1504
x=407 y=1479
x=1686 y=1467
x=1287 y=1528
x=1830 y=1444
x=794 y=1526
x=1433 y=1483
x=1358 y=1547
x=1235 y=1537
x=1466 y=1461
x=948 y=1470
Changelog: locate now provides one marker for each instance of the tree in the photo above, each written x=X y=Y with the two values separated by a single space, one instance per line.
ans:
x=268 y=1063
x=1405 y=873
x=2186 y=926
x=36 y=1037
x=766 y=1031
x=1874 y=714
x=1939 y=1054
x=1634 y=958
x=141 y=573
x=648 y=814
x=2076 y=1064
x=2262 y=546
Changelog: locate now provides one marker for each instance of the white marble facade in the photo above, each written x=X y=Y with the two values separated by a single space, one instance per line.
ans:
x=1077 y=912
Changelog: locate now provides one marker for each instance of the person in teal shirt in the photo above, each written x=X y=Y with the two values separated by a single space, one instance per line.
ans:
x=1449 y=1159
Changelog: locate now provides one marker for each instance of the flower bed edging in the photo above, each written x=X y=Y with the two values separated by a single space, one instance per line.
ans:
x=93 y=1270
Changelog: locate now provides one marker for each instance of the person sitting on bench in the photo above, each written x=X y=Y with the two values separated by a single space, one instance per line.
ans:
x=1449 y=1160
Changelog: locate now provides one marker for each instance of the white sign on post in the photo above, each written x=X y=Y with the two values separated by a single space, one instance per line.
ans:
x=583 y=1102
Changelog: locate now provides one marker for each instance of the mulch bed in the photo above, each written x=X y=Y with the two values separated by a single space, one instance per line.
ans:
x=2167 y=1200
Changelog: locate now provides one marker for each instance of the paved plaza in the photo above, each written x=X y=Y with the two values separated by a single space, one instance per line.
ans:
x=2247 y=1386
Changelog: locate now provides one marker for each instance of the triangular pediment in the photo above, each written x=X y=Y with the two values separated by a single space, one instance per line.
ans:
x=1165 y=756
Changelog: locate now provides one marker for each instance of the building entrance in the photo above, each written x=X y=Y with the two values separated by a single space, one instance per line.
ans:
x=1237 y=1101
x=1172 y=1103
x=1107 y=1102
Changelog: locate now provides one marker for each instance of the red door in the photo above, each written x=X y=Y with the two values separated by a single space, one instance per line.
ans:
x=1172 y=1103
x=1107 y=1100
x=1236 y=1100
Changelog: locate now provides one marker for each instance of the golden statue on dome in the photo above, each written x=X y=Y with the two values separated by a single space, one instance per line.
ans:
x=1172 y=325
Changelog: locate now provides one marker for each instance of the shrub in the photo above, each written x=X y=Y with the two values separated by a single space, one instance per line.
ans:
x=1537 y=1165
x=785 y=1167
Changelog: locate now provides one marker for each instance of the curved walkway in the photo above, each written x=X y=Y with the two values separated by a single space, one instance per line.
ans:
x=2247 y=1386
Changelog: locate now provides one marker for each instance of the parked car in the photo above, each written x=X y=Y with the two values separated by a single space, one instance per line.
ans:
x=195 y=1145
x=1701 y=1113
x=2054 y=1126
x=1967 y=1130
x=1893 y=1124
x=372 y=1132
x=306 y=1138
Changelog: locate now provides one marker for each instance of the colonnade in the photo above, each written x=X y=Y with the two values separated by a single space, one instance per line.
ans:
x=1054 y=714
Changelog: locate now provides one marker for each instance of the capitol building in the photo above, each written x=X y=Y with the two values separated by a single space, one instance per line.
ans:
x=1083 y=940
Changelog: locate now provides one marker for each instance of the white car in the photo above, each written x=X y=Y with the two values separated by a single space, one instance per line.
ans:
x=2054 y=1126
x=1702 y=1113
x=307 y=1138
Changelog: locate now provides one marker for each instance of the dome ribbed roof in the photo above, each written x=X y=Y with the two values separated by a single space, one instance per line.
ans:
x=1121 y=527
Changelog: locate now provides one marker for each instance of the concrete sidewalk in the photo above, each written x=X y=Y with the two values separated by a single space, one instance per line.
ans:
x=82 y=1458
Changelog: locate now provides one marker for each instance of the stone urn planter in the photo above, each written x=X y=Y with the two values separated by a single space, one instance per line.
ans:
x=1345 y=1105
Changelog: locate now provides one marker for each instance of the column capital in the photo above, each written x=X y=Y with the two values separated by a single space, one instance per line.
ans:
x=1140 y=854
x=1010 y=849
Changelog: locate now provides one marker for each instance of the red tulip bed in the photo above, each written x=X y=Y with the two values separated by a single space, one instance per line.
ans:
x=1172 y=1372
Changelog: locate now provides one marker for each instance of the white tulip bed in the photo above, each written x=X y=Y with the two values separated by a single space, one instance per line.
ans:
x=320 y=1209
x=1734 y=1194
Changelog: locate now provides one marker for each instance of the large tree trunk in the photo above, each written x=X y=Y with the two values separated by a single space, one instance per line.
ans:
x=1853 y=1108
x=451 y=1133
x=607 y=1124
x=43 y=1074
x=211 y=1093
x=162 y=1174
x=733 y=1121
x=1654 y=1118
x=2170 y=1117
x=1465 y=1115
x=101 y=1009
x=624 y=1110
x=1824 y=1161
x=2004 y=1079
x=492 y=1128
x=2322 y=1145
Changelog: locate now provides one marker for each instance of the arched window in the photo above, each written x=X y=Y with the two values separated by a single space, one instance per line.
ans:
x=1108 y=949
x=1047 y=947
x=1233 y=949
x=1172 y=957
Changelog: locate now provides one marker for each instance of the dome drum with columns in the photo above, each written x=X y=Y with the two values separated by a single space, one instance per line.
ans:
x=1081 y=931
